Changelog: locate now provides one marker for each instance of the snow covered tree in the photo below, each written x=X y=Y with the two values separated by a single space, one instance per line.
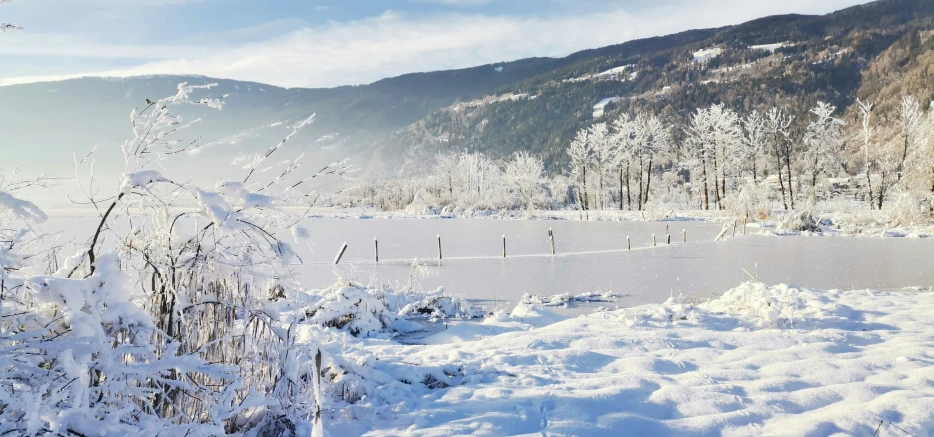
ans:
x=445 y=171
x=910 y=129
x=866 y=136
x=603 y=151
x=524 y=175
x=823 y=139
x=700 y=147
x=713 y=132
x=755 y=141
x=922 y=162
x=728 y=136
x=624 y=139
x=581 y=157
x=651 y=139
x=882 y=153
x=777 y=124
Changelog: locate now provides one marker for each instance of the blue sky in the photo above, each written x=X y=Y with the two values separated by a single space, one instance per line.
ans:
x=322 y=43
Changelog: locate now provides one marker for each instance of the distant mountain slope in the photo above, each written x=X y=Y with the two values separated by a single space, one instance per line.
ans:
x=532 y=104
x=822 y=58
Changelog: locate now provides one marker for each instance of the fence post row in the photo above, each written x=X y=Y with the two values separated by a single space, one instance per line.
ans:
x=551 y=238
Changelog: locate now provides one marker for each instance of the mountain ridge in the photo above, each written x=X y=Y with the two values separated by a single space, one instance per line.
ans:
x=408 y=118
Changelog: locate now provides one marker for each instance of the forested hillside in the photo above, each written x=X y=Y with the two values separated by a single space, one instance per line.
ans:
x=793 y=61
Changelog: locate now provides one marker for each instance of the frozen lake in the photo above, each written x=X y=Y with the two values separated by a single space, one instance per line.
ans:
x=592 y=257
x=645 y=275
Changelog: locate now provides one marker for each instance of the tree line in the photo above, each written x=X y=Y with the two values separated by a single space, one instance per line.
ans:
x=717 y=158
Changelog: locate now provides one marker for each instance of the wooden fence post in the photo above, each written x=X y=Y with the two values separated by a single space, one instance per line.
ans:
x=376 y=247
x=340 y=254
x=551 y=236
x=504 y=245
x=684 y=238
x=628 y=243
x=439 y=247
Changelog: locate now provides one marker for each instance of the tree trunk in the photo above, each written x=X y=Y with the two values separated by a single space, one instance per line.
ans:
x=601 y=196
x=716 y=182
x=584 y=189
x=648 y=180
x=620 y=188
x=722 y=182
x=628 y=189
x=814 y=181
x=755 y=179
x=901 y=165
x=869 y=185
x=706 y=195
x=580 y=203
x=881 y=190
x=781 y=181
x=791 y=191
x=640 y=183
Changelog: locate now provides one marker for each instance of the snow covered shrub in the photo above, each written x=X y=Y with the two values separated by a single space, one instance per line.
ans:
x=750 y=201
x=364 y=311
x=566 y=298
x=910 y=208
x=801 y=221
x=770 y=307
x=166 y=326
x=355 y=310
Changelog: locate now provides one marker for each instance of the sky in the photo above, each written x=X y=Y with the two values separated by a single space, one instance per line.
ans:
x=326 y=43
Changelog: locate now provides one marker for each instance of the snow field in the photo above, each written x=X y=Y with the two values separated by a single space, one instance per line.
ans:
x=756 y=361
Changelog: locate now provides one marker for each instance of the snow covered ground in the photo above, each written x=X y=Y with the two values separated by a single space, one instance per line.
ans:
x=757 y=361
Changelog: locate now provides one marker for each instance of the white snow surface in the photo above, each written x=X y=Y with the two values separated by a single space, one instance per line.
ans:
x=707 y=54
x=759 y=360
x=771 y=47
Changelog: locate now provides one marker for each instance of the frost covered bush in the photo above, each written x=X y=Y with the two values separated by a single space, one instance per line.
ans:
x=801 y=221
x=165 y=328
x=357 y=311
x=566 y=298
x=750 y=201
x=911 y=209
x=364 y=311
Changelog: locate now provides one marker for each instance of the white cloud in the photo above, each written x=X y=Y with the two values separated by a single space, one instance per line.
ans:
x=393 y=43
x=455 y=2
